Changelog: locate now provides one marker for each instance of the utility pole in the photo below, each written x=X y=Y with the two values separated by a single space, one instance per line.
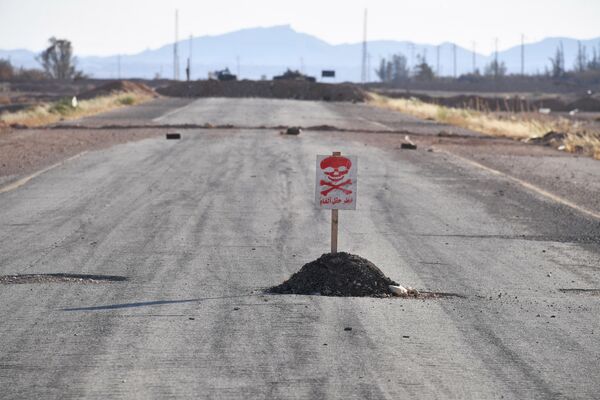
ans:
x=454 y=58
x=368 y=67
x=497 y=67
x=522 y=54
x=437 y=63
x=496 y=51
x=474 y=58
x=188 y=69
x=363 y=72
x=175 y=52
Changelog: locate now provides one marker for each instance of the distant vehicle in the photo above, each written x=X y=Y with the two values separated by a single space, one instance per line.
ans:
x=290 y=75
x=223 y=75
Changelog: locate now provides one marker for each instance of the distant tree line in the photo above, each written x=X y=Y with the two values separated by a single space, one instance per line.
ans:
x=395 y=69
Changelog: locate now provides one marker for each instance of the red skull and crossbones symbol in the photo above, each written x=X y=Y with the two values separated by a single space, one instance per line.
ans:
x=336 y=168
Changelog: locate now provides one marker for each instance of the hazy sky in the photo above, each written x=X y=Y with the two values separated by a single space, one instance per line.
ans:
x=103 y=27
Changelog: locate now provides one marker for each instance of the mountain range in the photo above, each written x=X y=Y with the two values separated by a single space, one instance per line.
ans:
x=256 y=53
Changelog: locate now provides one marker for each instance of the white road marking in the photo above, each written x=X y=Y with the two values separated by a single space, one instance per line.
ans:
x=375 y=123
x=22 y=181
x=172 y=112
x=529 y=186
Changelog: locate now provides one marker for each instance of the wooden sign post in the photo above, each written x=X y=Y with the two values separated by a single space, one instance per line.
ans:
x=336 y=186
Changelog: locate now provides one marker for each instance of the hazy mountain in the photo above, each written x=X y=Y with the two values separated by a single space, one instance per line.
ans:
x=269 y=51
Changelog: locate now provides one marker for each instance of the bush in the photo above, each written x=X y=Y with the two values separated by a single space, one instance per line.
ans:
x=62 y=107
x=6 y=70
x=127 y=100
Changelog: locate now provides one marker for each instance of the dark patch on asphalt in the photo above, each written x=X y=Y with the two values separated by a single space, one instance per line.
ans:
x=339 y=274
x=438 y=295
x=278 y=128
x=58 y=278
x=173 y=136
x=534 y=238
x=589 y=292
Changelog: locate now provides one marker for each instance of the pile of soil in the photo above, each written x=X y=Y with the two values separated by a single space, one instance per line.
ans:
x=339 y=274
x=117 y=87
x=280 y=89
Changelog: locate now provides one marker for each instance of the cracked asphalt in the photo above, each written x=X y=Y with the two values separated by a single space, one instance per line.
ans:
x=201 y=226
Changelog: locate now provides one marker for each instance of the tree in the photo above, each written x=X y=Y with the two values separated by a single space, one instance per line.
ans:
x=423 y=71
x=394 y=70
x=58 y=60
x=594 y=63
x=581 y=58
x=558 y=62
x=6 y=70
x=495 y=69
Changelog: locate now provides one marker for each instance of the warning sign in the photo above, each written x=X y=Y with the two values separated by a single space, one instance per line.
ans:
x=336 y=182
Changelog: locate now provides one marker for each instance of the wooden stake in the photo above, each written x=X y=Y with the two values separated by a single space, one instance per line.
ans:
x=334 y=221
x=334 y=230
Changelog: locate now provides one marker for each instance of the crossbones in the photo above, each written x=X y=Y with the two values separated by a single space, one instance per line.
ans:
x=333 y=186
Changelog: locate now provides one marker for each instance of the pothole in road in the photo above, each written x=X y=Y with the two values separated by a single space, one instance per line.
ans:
x=589 y=292
x=347 y=275
x=59 y=278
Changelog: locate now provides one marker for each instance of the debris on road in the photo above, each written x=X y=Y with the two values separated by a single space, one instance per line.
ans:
x=293 y=130
x=551 y=138
x=347 y=328
x=401 y=291
x=408 y=144
x=171 y=136
x=398 y=290
x=339 y=274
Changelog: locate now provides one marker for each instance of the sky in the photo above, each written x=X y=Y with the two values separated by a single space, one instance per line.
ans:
x=107 y=27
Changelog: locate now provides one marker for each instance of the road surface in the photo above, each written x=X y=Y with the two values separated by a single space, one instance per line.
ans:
x=201 y=226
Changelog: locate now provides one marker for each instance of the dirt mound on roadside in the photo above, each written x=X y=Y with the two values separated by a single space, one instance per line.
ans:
x=117 y=87
x=280 y=89
x=340 y=274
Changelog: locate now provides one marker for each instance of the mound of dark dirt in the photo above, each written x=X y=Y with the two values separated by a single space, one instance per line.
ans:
x=339 y=274
x=116 y=87
x=280 y=89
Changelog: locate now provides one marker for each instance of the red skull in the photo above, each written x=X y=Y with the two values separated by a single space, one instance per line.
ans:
x=335 y=167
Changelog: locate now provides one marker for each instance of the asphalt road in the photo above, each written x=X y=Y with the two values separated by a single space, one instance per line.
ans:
x=201 y=226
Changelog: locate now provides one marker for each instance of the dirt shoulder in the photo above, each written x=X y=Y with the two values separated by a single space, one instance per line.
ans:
x=26 y=151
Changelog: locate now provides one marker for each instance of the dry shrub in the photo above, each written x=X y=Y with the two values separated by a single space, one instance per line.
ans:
x=44 y=114
x=521 y=126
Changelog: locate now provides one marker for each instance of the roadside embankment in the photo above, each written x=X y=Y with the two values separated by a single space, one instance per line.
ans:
x=578 y=137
